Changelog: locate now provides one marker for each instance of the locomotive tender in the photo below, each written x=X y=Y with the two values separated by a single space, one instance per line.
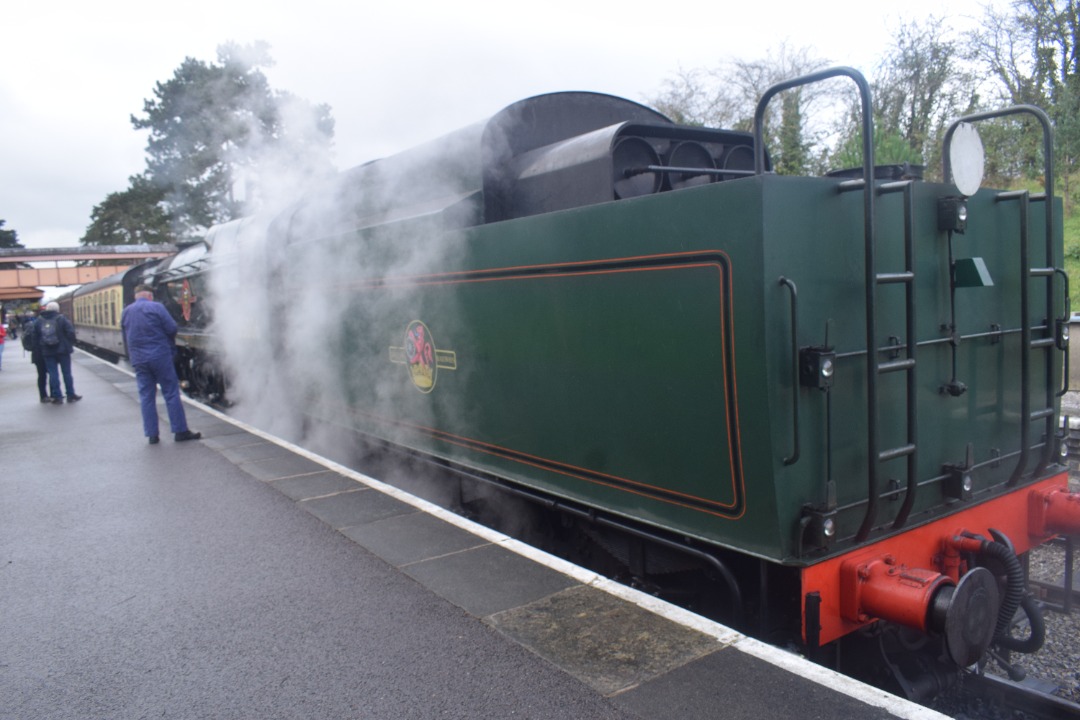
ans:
x=838 y=396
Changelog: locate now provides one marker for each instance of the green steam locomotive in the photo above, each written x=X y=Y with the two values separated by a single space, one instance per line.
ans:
x=837 y=397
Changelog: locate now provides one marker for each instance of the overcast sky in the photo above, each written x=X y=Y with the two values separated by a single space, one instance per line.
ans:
x=394 y=73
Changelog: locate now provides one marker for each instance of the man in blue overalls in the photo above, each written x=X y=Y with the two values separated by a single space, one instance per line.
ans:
x=149 y=332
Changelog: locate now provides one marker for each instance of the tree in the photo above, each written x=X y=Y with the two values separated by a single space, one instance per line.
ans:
x=131 y=217
x=1011 y=45
x=211 y=123
x=793 y=157
x=918 y=87
x=700 y=97
x=890 y=148
x=1053 y=27
x=1031 y=53
x=9 y=238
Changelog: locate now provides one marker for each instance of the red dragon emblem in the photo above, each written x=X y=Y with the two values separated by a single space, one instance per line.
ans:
x=187 y=299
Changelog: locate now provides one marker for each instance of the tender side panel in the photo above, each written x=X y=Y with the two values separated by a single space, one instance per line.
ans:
x=588 y=377
x=599 y=354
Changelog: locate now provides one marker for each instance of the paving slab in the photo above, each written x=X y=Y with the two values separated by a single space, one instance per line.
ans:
x=240 y=577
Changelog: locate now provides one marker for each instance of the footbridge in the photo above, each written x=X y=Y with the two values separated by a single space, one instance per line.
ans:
x=24 y=271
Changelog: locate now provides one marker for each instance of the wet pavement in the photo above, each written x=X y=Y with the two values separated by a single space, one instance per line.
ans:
x=240 y=577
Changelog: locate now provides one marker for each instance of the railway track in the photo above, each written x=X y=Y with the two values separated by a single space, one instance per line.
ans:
x=1055 y=595
x=1059 y=594
x=989 y=697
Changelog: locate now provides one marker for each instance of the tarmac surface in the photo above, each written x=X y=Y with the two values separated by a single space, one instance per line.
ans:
x=241 y=577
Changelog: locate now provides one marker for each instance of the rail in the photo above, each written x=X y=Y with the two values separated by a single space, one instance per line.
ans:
x=1005 y=698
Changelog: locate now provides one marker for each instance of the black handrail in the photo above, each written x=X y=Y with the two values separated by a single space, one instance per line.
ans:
x=1025 y=334
x=910 y=328
x=870 y=273
x=1025 y=269
x=790 y=285
x=1068 y=312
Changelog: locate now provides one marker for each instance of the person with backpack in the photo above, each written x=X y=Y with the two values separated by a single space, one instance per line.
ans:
x=55 y=335
x=30 y=345
x=150 y=332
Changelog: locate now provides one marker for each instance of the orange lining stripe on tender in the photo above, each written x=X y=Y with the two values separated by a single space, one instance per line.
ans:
x=575 y=263
x=554 y=466
x=733 y=429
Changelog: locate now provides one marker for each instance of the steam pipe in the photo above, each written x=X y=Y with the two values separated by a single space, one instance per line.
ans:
x=629 y=172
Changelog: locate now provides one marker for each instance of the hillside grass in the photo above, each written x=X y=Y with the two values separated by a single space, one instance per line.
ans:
x=1071 y=225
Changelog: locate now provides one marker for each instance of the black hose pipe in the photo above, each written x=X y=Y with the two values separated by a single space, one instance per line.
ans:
x=1014 y=586
x=1035 y=638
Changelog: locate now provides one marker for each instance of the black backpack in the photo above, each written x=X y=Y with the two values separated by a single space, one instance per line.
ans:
x=28 y=338
x=49 y=331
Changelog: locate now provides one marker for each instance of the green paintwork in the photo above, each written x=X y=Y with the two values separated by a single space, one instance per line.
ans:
x=972 y=272
x=636 y=355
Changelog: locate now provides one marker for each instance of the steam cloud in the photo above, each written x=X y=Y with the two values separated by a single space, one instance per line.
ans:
x=305 y=328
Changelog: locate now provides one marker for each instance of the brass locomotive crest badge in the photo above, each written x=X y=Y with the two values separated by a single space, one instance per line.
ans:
x=187 y=299
x=421 y=356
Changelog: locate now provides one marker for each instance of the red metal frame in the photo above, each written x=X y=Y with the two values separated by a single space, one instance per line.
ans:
x=925 y=552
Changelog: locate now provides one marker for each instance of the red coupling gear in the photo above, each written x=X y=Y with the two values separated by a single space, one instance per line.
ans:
x=880 y=588
x=1054 y=511
x=963 y=613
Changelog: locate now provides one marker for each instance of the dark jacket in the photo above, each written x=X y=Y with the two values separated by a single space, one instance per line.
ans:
x=30 y=342
x=149 y=331
x=66 y=335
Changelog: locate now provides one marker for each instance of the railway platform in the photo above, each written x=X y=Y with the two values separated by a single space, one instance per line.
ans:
x=242 y=577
